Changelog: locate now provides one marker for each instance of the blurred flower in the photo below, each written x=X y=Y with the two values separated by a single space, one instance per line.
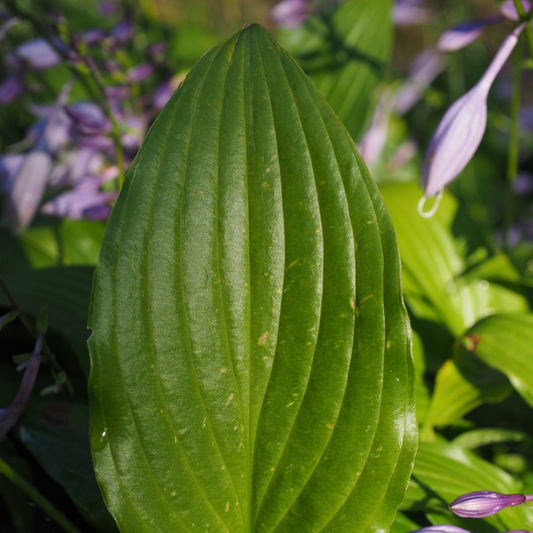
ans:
x=140 y=73
x=162 y=95
x=123 y=31
x=38 y=54
x=454 y=529
x=463 y=34
x=485 y=503
x=462 y=127
x=6 y=27
x=10 y=90
x=523 y=184
x=88 y=118
x=290 y=13
x=10 y=416
x=408 y=12
x=426 y=67
x=85 y=200
x=108 y=8
x=508 y=9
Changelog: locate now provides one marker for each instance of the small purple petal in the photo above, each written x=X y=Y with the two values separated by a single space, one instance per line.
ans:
x=28 y=188
x=75 y=203
x=484 y=503
x=39 y=54
x=508 y=9
x=10 y=165
x=123 y=31
x=162 y=95
x=426 y=67
x=290 y=13
x=111 y=66
x=88 y=118
x=157 y=49
x=140 y=73
x=462 y=127
x=409 y=12
x=92 y=37
x=523 y=184
x=10 y=90
x=463 y=34
x=108 y=8
x=96 y=142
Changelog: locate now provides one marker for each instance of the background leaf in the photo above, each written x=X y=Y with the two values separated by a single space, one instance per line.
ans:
x=250 y=348
x=57 y=437
x=436 y=253
x=505 y=342
x=345 y=52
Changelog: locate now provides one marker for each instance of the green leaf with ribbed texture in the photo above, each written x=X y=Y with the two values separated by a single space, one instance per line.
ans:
x=345 y=52
x=505 y=343
x=436 y=252
x=443 y=472
x=250 y=348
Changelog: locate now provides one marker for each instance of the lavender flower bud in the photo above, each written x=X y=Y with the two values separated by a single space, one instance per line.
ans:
x=462 y=127
x=484 y=503
x=123 y=31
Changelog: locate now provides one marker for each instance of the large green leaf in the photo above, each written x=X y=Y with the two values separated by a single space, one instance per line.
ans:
x=345 y=52
x=505 y=342
x=436 y=252
x=250 y=348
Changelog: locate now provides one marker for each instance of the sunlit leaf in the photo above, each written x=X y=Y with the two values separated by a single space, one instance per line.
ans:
x=250 y=348
x=505 y=342
x=436 y=252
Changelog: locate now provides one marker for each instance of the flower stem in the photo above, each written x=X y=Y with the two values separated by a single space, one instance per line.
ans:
x=55 y=514
x=514 y=146
x=50 y=357
x=526 y=17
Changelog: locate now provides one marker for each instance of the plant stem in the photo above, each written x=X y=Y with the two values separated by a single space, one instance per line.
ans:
x=526 y=17
x=55 y=514
x=50 y=357
x=514 y=146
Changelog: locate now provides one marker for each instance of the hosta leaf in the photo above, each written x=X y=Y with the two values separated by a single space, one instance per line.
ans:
x=345 y=52
x=459 y=388
x=443 y=472
x=250 y=349
x=505 y=342
x=436 y=252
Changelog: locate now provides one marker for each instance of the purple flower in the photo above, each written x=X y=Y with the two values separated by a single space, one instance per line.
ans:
x=108 y=8
x=485 y=503
x=123 y=31
x=426 y=67
x=92 y=37
x=10 y=90
x=6 y=26
x=157 y=49
x=10 y=416
x=463 y=34
x=139 y=73
x=462 y=127
x=508 y=9
x=88 y=118
x=290 y=13
x=39 y=54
